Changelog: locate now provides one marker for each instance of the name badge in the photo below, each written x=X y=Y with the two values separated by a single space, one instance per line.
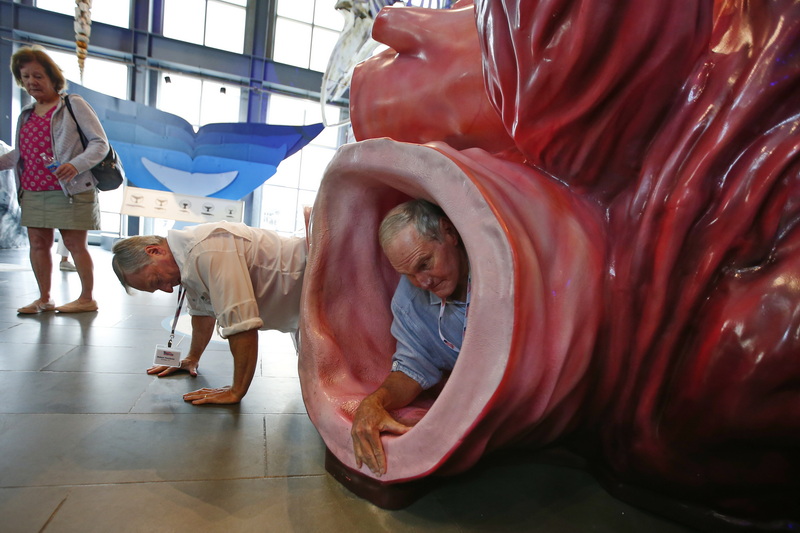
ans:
x=167 y=356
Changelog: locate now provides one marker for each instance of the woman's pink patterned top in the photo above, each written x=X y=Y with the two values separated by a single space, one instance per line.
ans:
x=35 y=140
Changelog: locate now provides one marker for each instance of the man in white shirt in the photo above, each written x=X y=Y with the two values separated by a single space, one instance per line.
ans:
x=245 y=279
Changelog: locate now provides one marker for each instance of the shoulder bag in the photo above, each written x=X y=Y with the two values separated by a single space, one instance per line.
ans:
x=108 y=172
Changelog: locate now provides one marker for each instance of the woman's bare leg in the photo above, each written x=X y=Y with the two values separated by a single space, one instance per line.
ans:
x=76 y=242
x=41 y=241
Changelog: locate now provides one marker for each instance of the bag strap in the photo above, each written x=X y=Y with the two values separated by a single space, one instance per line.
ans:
x=84 y=142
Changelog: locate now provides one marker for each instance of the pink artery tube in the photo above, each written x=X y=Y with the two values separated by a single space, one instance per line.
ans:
x=536 y=262
x=636 y=283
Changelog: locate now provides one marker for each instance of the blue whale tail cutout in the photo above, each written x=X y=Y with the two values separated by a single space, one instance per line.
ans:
x=143 y=135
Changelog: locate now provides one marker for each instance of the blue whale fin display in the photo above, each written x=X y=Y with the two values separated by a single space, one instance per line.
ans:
x=161 y=151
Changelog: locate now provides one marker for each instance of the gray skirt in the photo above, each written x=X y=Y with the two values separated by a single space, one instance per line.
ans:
x=52 y=209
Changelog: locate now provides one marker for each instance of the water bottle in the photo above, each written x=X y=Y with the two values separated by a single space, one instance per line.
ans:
x=50 y=162
x=70 y=187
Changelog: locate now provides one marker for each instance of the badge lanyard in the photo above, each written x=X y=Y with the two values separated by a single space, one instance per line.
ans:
x=181 y=296
x=466 y=314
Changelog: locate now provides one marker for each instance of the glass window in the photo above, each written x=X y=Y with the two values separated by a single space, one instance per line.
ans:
x=219 y=103
x=111 y=12
x=287 y=110
x=101 y=75
x=292 y=43
x=322 y=45
x=327 y=16
x=110 y=219
x=329 y=136
x=296 y=182
x=215 y=23
x=293 y=111
x=180 y=96
x=197 y=101
x=306 y=32
x=279 y=208
x=302 y=10
x=185 y=20
x=315 y=159
x=59 y=6
x=222 y=20
x=288 y=174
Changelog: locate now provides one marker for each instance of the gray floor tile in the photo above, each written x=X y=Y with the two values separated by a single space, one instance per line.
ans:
x=51 y=450
x=17 y=356
x=294 y=448
x=89 y=442
x=121 y=359
x=305 y=504
x=274 y=395
x=29 y=508
x=69 y=392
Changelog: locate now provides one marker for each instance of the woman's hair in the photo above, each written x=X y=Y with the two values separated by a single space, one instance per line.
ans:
x=130 y=256
x=422 y=214
x=31 y=54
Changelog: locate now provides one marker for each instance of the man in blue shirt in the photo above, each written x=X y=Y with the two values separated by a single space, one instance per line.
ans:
x=430 y=315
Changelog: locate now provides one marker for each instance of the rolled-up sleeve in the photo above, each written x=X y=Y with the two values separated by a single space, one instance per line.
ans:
x=227 y=281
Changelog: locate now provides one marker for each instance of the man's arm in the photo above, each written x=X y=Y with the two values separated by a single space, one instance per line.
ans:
x=372 y=417
x=244 y=347
x=202 y=330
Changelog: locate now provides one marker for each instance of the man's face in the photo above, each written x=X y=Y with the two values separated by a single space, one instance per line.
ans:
x=438 y=267
x=162 y=274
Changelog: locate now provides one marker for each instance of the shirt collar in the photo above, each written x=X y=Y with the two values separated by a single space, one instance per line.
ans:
x=433 y=299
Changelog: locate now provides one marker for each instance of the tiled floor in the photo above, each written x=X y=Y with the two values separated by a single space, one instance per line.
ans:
x=89 y=442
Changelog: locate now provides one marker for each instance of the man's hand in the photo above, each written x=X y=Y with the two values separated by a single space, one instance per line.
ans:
x=372 y=417
x=244 y=347
x=370 y=420
x=219 y=396
x=187 y=365
x=202 y=330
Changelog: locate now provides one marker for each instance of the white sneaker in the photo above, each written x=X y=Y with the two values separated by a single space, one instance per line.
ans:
x=66 y=266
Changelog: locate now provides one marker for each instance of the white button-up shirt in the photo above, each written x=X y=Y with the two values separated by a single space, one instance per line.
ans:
x=247 y=278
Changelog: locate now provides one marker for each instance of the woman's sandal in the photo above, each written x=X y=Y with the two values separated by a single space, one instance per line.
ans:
x=37 y=307
x=78 y=306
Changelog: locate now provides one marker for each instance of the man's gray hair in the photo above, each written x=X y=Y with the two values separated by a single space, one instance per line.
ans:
x=130 y=256
x=423 y=215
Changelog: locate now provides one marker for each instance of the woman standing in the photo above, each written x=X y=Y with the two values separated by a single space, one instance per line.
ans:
x=63 y=196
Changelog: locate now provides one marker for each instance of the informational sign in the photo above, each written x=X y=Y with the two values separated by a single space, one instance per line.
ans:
x=162 y=204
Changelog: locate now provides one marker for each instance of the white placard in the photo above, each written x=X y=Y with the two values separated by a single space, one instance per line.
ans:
x=163 y=204
x=167 y=356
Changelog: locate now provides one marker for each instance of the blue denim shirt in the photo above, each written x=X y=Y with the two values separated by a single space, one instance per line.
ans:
x=420 y=352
